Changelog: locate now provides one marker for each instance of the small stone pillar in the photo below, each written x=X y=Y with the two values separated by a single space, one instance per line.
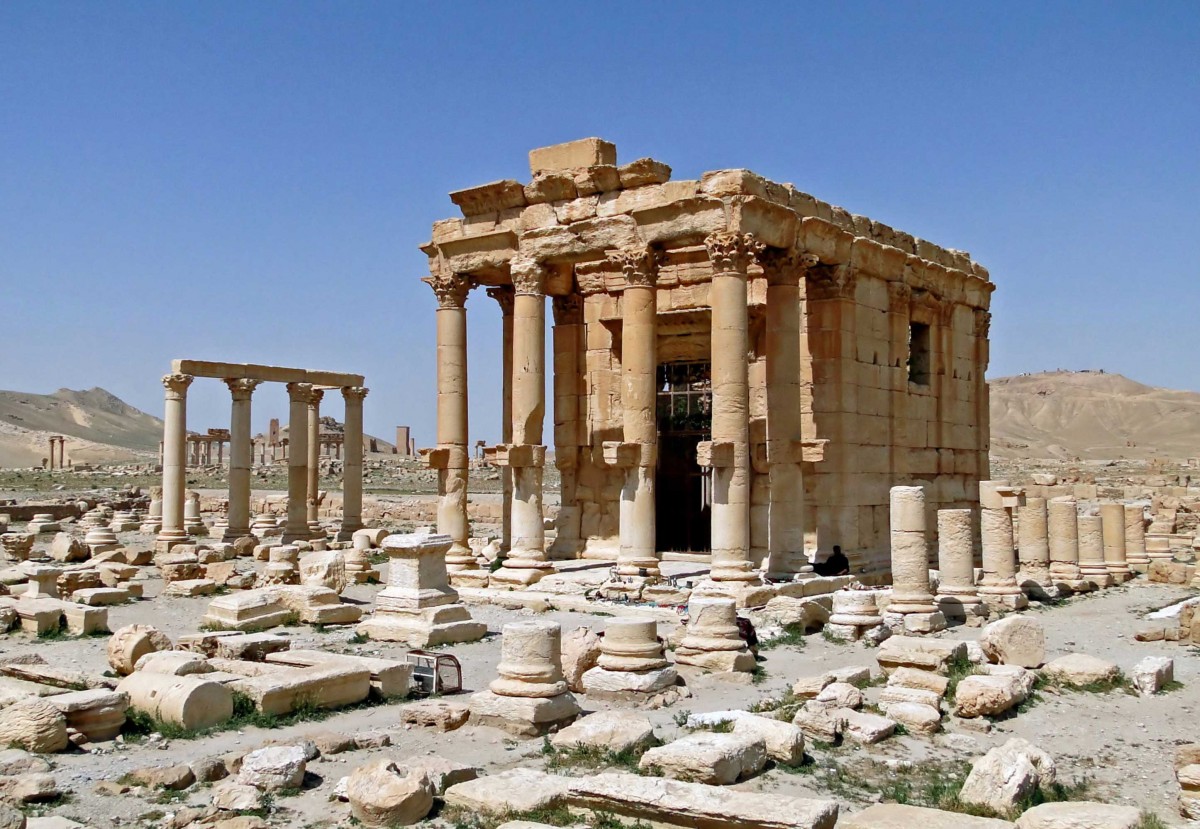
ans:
x=998 y=586
x=352 y=466
x=957 y=596
x=418 y=606
x=192 y=522
x=526 y=562
x=1112 y=529
x=912 y=606
x=712 y=640
x=101 y=539
x=632 y=666
x=297 y=509
x=1063 y=537
x=43 y=582
x=1091 y=551
x=152 y=523
x=358 y=562
x=855 y=612
x=174 y=461
x=1033 y=549
x=530 y=696
x=1135 y=539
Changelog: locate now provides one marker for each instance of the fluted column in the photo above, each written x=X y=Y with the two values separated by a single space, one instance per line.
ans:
x=240 y=458
x=312 y=502
x=451 y=458
x=174 y=460
x=639 y=366
x=526 y=561
x=786 y=519
x=352 y=465
x=503 y=294
x=297 y=513
x=731 y=255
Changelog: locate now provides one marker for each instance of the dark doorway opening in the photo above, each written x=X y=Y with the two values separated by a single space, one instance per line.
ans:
x=683 y=491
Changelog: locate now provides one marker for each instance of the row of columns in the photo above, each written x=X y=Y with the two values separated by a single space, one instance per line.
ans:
x=201 y=450
x=58 y=458
x=522 y=454
x=303 y=498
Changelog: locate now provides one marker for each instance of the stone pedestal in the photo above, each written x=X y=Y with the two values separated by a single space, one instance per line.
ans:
x=957 y=596
x=1091 y=551
x=193 y=524
x=1112 y=534
x=911 y=595
x=1135 y=538
x=42 y=523
x=1063 y=539
x=713 y=641
x=418 y=606
x=101 y=540
x=530 y=696
x=854 y=613
x=632 y=665
x=998 y=586
x=43 y=582
x=358 y=562
x=265 y=525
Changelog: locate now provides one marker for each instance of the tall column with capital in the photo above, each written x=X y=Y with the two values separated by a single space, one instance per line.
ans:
x=503 y=294
x=174 y=461
x=312 y=501
x=240 y=458
x=526 y=562
x=785 y=535
x=296 y=528
x=568 y=384
x=352 y=466
x=451 y=458
x=639 y=367
x=728 y=454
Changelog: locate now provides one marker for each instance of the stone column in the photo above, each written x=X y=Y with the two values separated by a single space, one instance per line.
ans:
x=352 y=466
x=785 y=453
x=1033 y=548
x=957 y=597
x=639 y=366
x=998 y=586
x=312 y=502
x=911 y=596
x=1091 y=551
x=728 y=453
x=1135 y=538
x=1112 y=523
x=240 y=458
x=568 y=385
x=53 y=458
x=174 y=461
x=526 y=562
x=297 y=511
x=62 y=453
x=451 y=458
x=503 y=294
x=1063 y=532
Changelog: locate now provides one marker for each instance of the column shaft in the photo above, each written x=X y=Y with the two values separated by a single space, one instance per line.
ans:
x=352 y=466
x=503 y=295
x=174 y=460
x=240 y=458
x=312 y=501
x=296 y=528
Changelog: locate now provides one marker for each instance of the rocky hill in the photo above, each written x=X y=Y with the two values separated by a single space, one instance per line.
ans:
x=1091 y=415
x=98 y=426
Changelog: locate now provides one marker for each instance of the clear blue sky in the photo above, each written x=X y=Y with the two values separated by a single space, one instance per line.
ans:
x=250 y=181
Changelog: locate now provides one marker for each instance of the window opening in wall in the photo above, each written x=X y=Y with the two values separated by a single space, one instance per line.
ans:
x=918 y=353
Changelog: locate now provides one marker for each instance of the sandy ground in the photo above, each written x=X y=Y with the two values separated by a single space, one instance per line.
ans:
x=1123 y=744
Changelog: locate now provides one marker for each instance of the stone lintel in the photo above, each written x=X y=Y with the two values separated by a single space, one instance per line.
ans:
x=772 y=224
x=572 y=155
x=268 y=374
x=489 y=198
x=516 y=455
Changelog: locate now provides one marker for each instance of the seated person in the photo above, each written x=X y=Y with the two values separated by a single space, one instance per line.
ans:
x=831 y=564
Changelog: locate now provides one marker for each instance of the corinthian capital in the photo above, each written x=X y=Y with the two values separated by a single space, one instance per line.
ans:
x=786 y=267
x=241 y=388
x=354 y=393
x=450 y=288
x=732 y=253
x=177 y=385
x=504 y=295
x=639 y=265
x=528 y=276
x=299 y=392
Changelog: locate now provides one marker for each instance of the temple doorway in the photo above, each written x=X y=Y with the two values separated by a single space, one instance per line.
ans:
x=683 y=491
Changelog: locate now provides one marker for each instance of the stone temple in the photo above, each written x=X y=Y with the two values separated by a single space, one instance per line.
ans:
x=740 y=370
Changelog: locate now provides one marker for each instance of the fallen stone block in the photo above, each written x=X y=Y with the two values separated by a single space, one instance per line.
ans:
x=83 y=620
x=783 y=740
x=614 y=731
x=34 y=725
x=1006 y=775
x=283 y=691
x=190 y=587
x=442 y=773
x=821 y=724
x=663 y=802
x=716 y=759
x=917 y=718
x=516 y=790
x=184 y=701
x=1078 y=669
x=1080 y=815
x=919 y=652
x=987 y=696
x=389 y=679
x=866 y=728
x=1152 y=674
x=252 y=647
x=273 y=768
x=896 y=816
x=97 y=714
x=101 y=596
x=436 y=713
x=131 y=643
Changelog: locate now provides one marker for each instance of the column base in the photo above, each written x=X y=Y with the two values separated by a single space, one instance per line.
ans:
x=524 y=716
x=229 y=535
x=726 y=661
x=639 y=687
x=478 y=577
x=514 y=578
x=347 y=530
x=167 y=540
x=292 y=534
x=1004 y=601
x=442 y=625
x=915 y=622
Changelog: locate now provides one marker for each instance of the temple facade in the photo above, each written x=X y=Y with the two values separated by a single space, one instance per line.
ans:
x=740 y=371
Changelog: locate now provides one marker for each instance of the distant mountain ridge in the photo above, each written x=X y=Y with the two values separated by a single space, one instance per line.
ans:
x=99 y=426
x=1091 y=415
